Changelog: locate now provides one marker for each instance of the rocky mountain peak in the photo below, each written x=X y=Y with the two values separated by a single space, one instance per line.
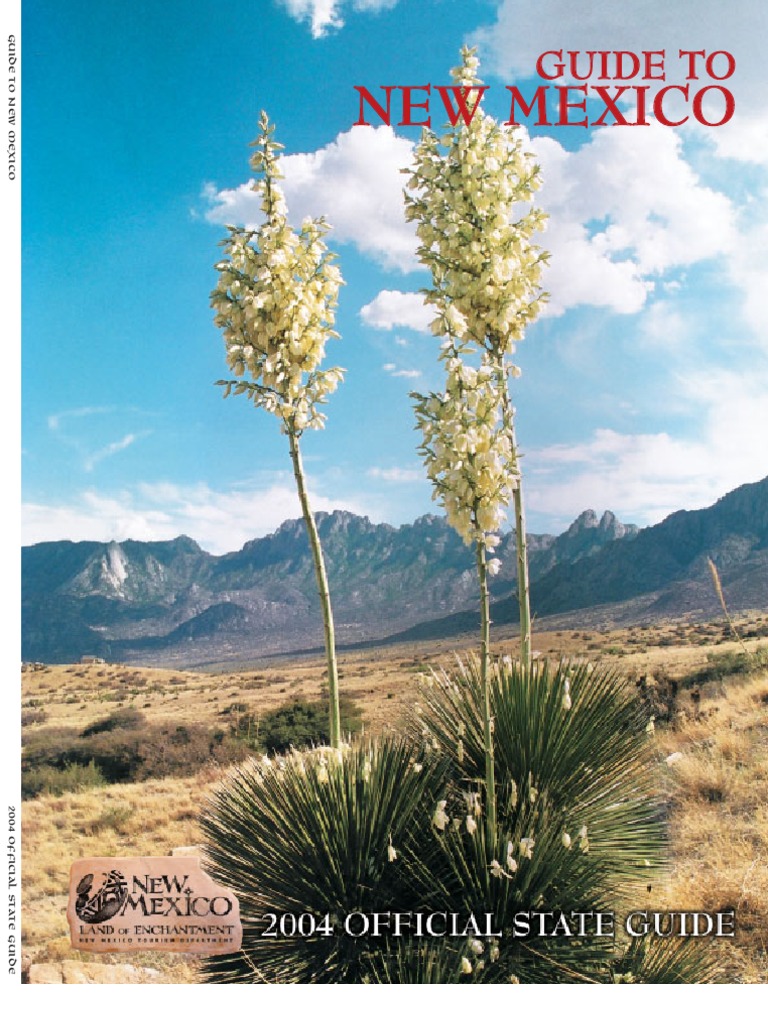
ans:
x=586 y=521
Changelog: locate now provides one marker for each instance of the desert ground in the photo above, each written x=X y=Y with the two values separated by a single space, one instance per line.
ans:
x=709 y=702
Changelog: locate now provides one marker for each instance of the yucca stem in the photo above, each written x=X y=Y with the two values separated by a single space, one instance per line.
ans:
x=485 y=658
x=322 y=590
x=521 y=542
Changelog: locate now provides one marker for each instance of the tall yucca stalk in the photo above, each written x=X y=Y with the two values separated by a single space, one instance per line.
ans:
x=275 y=302
x=463 y=194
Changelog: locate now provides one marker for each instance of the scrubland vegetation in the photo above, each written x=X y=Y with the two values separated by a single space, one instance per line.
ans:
x=709 y=702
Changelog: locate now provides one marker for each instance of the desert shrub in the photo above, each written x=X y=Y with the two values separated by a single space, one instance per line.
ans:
x=114 y=751
x=51 y=781
x=298 y=724
x=113 y=819
x=49 y=746
x=185 y=749
x=158 y=751
x=127 y=718
x=132 y=754
x=726 y=664
x=235 y=708
x=33 y=716
x=254 y=684
x=660 y=695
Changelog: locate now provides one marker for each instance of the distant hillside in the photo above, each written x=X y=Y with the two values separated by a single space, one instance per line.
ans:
x=171 y=602
x=658 y=572
x=671 y=559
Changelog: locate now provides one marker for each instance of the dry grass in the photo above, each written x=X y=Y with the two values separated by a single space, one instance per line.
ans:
x=717 y=793
x=381 y=679
x=146 y=819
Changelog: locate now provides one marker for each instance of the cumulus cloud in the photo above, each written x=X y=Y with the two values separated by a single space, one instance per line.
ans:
x=323 y=16
x=354 y=181
x=398 y=309
x=219 y=521
x=748 y=263
x=523 y=31
x=625 y=208
x=644 y=477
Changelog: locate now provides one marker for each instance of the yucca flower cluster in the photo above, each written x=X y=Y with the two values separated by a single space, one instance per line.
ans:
x=464 y=193
x=275 y=301
x=470 y=195
x=467 y=450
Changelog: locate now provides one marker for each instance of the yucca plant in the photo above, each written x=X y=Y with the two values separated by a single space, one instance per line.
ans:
x=578 y=829
x=570 y=733
x=275 y=301
x=528 y=868
x=655 y=960
x=317 y=836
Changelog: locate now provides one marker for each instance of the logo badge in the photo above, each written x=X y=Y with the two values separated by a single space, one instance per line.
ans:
x=161 y=903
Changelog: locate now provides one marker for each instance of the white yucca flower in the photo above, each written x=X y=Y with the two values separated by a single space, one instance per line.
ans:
x=391 y=851
x=440 y=819
x=526 y=847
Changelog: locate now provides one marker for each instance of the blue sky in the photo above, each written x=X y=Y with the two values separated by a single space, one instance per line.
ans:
x=643 y=386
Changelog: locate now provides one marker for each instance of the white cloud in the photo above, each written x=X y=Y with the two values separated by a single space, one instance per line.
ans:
x=744 y=139
x=644 y=477
x=396 y=475
x=636 y=168
x=111 y=449
x=625 y=208
x=398 y=309
x=322 y=15
x=56 y=420
x=325 y=15
x=62 y=426
x=748 y=264
x=524 y=31
x=219 y=521
x=354 y=181
x=393 y=371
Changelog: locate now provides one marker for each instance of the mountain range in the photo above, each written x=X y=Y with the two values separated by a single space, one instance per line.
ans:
x=171 y=603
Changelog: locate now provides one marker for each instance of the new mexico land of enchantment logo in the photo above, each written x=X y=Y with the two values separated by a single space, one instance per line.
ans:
x=169 y=903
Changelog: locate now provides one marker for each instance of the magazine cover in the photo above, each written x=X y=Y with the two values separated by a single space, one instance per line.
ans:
x=394 y=493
